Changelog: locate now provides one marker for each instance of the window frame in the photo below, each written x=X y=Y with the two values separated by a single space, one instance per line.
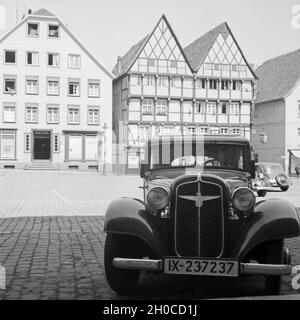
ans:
x=147 y=112
x=58 y=30
x=94 y=81
x=38 y=30
x=9 y=77
x=47 y=62
x=10 y=105
x=14 y=133
x=31 y=78
x=26 y=59
x=75 y=107
x=4 y=57
x=88 y=113
x=52 y=79
x=52 y=106
x=74 y=55
x=32 y=106
x=74 y=80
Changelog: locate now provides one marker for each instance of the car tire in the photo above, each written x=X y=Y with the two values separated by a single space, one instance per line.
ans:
x=261 y=193
x=284 y=189
x=120 y=280
x=274 y=255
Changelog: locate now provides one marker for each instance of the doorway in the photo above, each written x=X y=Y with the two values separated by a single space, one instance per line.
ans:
x=41 y=145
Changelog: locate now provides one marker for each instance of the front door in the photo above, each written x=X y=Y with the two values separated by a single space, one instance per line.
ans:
x=42 y=145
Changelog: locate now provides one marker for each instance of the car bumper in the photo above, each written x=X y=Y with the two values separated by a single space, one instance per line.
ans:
x=244 y=268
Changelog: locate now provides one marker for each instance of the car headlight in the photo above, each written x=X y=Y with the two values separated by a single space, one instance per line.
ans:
x=261 y=175
x=243 y=199
x=158 y=198
x=282 y=180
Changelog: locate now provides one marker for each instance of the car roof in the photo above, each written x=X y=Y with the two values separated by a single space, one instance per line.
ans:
x=206 y=138
x=268 y=164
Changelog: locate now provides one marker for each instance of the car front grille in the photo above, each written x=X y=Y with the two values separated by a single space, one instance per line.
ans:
x=199 y=225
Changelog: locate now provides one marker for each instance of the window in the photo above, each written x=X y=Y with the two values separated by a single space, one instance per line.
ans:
x=162 y=81
x=208 y=66
x=200 y=107
x=191 y=130
x=234 y=109
x=53 y=60
x=225 y=85
x=93 y=115
x=10 y=84
x=8 y=145
x=173 y=64
x=53 y=31
x=135 y=80
x=32 y=85
x=225 y=67
x=211 y=108
x=148 y=81
x=234 y=68
x=216 y=67
x=151 y=62
x=74 y=88
x=27 y=142
x=53 y=86
x=31 y=115
x=236 y=85
x=161 y=107
x=145 y=132
x=213 y=84
x=73 y=115
x=168 y=130
x=74 y=61
x=9 y=112
x=236 y=131
x=203 y=130
x=224 y=130
x=33 y=29
x=32 y=58
x=94 y=89
x=52 y=113
x=176 y=82
x=147 y=106
x=242 y=68
x=223 y=108
x=10 y=56
x=56 y=143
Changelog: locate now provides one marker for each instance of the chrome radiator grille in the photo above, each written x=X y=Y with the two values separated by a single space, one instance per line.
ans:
x=199 y=220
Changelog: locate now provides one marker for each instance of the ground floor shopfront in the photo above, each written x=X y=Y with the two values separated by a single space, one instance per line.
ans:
x=66 y=149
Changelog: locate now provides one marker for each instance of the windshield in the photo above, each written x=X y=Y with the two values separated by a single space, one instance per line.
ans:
x=214 y=155
x=274 y=170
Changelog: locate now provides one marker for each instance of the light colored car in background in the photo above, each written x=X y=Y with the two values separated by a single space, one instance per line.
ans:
x=270 y=175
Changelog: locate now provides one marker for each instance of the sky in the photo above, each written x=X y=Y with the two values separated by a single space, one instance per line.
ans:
x=263 y=28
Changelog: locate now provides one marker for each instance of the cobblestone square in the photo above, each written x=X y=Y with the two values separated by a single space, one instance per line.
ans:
x=51 y=241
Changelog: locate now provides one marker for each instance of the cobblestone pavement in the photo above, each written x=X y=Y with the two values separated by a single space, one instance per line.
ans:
x=51 y=242
x=62 y=258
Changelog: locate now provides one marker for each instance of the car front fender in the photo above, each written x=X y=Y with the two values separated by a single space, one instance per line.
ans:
x=133 y=217
x=272 y=219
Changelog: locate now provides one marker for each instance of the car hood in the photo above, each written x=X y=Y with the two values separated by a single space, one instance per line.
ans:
x=165 y=178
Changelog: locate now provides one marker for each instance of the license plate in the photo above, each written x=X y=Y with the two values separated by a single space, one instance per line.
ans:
x=204 y=267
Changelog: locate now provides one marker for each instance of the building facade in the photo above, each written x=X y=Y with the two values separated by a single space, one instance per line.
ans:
x=55 y=98
x=276 y=123
x=163 y=89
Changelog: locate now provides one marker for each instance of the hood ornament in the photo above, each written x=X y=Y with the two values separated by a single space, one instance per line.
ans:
x=199 y=199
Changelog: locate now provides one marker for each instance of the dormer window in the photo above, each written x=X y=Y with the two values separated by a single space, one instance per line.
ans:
x=53 y=31
x=33 y=29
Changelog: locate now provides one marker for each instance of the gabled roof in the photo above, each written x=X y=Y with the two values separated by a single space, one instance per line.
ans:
x=278 y=77
x=197 y=51
x=46 y=13
x=126 y=61
x=130 y=57
x=43 y=12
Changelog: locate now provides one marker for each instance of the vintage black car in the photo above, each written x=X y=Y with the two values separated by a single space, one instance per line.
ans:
x=270 y=175
x=199 y=216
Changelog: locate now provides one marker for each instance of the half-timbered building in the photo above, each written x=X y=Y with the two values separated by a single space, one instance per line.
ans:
x=163 y=89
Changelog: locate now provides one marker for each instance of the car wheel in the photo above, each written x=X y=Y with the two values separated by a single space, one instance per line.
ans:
x=120 y=280
x=261 y=193
x=274 y=255
x=284 y=189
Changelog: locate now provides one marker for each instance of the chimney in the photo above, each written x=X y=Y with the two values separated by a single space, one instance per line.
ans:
x=119 y=65
x=29 y=11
